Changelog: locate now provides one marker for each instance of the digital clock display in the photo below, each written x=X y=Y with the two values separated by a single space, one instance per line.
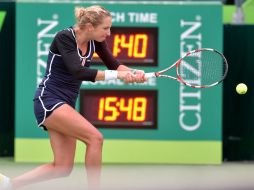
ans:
x=120 y=108
x=133 y=46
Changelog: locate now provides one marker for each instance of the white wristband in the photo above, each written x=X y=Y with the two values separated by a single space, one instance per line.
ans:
x=110 y=74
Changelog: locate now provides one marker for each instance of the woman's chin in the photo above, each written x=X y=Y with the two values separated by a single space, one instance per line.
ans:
x=100 y=39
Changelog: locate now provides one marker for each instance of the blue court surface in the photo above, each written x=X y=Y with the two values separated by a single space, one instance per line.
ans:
x=227 y=176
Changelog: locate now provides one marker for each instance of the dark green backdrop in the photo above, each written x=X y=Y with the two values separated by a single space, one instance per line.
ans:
x=238 y=110
x=7 y=63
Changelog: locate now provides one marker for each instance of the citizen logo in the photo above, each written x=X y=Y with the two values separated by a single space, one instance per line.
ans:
x=190 y=100
x=47 y=29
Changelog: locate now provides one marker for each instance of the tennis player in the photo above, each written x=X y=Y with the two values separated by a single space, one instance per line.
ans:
x=68 y=64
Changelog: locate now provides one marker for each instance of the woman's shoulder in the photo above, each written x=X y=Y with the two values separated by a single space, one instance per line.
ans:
x=66 y=33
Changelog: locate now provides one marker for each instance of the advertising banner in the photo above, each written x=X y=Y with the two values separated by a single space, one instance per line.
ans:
x=160 y=121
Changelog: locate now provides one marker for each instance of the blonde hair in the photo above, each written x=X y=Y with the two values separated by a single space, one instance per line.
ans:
x=93 y=14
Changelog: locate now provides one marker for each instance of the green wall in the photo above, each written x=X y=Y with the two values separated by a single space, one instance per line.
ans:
x=181 y=28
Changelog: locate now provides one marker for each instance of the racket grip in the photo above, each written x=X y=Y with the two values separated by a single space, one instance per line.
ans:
x=150 y=75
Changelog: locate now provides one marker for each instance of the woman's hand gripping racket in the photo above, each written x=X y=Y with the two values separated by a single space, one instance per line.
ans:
x=200 y=68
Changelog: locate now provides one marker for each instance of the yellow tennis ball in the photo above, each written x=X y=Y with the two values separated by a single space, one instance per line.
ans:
x=241 y=88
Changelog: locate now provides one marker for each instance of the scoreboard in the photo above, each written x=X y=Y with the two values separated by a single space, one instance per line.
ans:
x=120 y=109
x=134 y=46
x=159 y=121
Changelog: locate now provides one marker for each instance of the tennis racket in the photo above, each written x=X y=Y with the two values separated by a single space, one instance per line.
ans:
x=201 y=68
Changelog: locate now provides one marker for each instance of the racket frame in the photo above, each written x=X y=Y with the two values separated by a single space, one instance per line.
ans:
x=179 y=78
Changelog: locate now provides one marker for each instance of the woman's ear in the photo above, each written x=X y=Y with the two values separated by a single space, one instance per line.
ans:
x=89 y=27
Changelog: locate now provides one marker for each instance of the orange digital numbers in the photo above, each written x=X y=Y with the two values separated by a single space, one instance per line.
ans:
x=132 y=109
x=126 y=107
x=120 y=109
x=108 y=105
x=139 y=109
x=135 y=44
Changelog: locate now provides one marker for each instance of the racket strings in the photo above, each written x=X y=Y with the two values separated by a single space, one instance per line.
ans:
x=202 y=68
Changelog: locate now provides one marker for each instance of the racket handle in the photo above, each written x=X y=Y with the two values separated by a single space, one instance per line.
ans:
x=150 y=75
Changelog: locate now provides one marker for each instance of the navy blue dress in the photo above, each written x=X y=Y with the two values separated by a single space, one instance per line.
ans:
x=66 y=69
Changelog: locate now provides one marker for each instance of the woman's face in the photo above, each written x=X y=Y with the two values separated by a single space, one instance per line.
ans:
x=102 y=31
